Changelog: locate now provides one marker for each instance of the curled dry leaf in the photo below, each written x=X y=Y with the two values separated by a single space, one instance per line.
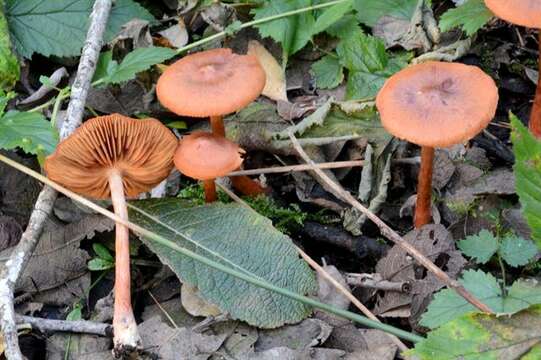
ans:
x=275 y=88
x=177 y=35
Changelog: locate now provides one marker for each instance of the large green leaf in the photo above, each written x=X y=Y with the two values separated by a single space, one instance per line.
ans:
x=28 y=130
x=331 y=15
x=370 y=11
x=484 y=337
x=480 y=247
x=59 y=27
x=517 y=251
x=9 y=66
x=470 y=16
x=236 y=237
x=528 y=175
x=448 y=305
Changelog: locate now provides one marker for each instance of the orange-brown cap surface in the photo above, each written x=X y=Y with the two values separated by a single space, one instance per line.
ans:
x=211 y=83
x=520 y=12
x=437 y=104
x=205 y=156
x=141 y=150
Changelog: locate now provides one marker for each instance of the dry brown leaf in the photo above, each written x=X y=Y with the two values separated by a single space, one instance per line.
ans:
x=194 y=304
x=275 y=88
x=177 y=35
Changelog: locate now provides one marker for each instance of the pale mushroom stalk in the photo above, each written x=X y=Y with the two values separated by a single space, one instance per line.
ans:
x=535 y=117
x=423 y=213
x=126 y=336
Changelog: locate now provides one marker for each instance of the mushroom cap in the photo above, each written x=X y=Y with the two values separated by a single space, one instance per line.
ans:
x=205 y=156
x=141 y=150
x=520 y=12
x=437 y=104
x=211 y=83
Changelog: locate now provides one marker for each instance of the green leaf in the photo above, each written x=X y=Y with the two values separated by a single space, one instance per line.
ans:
x=292 y=32
x=99 y=264
x=361 y=52
x=9 y=66
x=370 y=11
x=470 y=16
x=517 y=251
x=328 y=72
x=344 y=27
x=483 y=337
x=527 y=170
x=237 y=237
x=102 y=252
x=447 y=304
x=138 y=60
x=75 y=313
x=480 y=247
x=59 y=27
x=28 y=130
x=331 y=15
x=4 y=99
x=177 y=125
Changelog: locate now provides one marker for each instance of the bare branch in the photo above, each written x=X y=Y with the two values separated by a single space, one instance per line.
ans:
x=80 y=326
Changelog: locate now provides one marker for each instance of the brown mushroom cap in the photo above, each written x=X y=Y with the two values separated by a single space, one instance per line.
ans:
x=142 y=150
x=205 y=156
x=211 y=83
x=520 y=12
x=437 y=104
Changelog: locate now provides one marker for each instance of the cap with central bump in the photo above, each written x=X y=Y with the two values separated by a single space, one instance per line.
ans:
x=520 y=12
x=211 y=83
x=141 y=150
x=437 y=104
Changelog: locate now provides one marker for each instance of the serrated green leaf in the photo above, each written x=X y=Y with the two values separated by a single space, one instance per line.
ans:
x=9 y=66
x=4 y=99
x=138 y=60
x=328 y=72
x=28 y=130
x=102 y=252
x=364 y=53
x=292 y=32
x=99 y=264
x=344 y=27
x=239 y=238
x=527 y=170
x=470 y=16
x=480 y=247
x=517 y=251
x=448 y=305
x=105 y=66
x=370 y=11
x=484 y=337
x=59 y=27
x=331 y=15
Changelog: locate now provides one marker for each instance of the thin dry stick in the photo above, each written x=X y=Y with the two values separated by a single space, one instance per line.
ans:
x=325 y=274
x=389 y=233
x=44 y=205
x=80 y=326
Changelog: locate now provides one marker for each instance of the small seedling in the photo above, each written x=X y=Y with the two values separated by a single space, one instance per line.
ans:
x=103 y=260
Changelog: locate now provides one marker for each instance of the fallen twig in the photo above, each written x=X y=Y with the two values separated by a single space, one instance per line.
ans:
x=377 y=282
x=80 y=326
x=389 y=233
x=22 y=252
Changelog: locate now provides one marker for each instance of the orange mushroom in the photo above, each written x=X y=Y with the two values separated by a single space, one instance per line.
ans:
x=436 y=104
x=211 y=83
x=525 y=13
x=205 y=156
x=113 y=157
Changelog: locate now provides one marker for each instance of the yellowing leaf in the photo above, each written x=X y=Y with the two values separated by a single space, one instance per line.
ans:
x=275 y=88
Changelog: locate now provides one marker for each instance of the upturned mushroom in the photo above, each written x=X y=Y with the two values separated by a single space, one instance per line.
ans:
x=205 y=156
x=436 y=104
x=525 y=13
x=116 y=157
x=212 y=84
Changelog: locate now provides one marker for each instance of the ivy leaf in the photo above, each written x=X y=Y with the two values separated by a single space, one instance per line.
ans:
x=236 y=237
x=136 y=61
x=9 y=66
x=328 y=72
x=292 y=32
x=59 y=27
x=448 y=305
x=28 y=130
x=470 y=16
x=517 y=251
x=331 y=15
x=527 y=170
x=480 y=247
x=370 y=11
x=478 y=336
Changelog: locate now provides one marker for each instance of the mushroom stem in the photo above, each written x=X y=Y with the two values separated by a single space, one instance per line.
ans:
x=126 y=337
x=423 y=212
x=210 y=190
x=535 y=118
x=217 y=125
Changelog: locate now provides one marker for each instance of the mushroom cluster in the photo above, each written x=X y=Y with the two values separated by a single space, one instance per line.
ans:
x=211 y=84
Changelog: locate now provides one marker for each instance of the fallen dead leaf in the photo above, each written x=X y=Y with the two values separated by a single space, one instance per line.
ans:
x=10 y=232
x=177 y=35
x=81 y=347
x=194 y=304
x=308 y=333
x=275 y=88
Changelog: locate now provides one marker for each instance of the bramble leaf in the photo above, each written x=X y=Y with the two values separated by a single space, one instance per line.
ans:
x=328 y=72
x=28 y=130
x=9 y=66
x=470 y=16
x=517 y=251
x=480 y=247
x=331 y=15
x=370 y=11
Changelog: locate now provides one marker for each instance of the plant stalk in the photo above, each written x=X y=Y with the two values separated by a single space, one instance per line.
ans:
x=217 y=125
x=210 y=190
x=423 y=213
x=535 y=117
x=126 y=338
